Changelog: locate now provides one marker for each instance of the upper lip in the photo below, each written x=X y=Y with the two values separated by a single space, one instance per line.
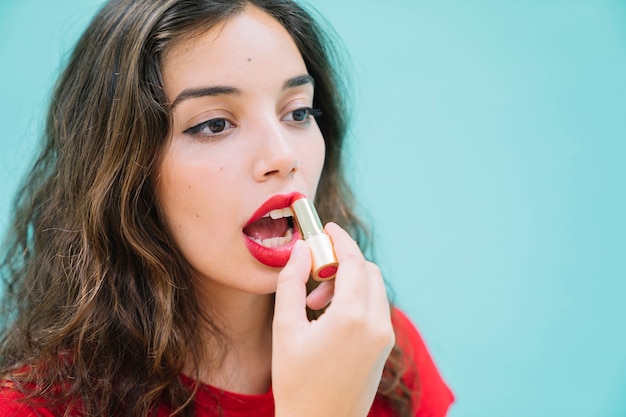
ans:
x=277 y=201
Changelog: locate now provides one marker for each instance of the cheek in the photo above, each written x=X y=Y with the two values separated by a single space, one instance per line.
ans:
x=199 y=191
x=182 y=190
x=187 y=199
x=173 y=188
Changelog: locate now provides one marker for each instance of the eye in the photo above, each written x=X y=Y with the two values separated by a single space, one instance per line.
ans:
x=302 y=115
x=212 y=127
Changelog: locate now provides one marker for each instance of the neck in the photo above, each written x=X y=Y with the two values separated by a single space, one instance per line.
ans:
x=246 y=320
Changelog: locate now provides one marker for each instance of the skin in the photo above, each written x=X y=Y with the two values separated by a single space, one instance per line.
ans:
x=211 y=183
x=208 y=187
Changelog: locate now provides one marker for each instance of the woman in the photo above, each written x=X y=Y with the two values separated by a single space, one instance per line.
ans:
x=143 y=274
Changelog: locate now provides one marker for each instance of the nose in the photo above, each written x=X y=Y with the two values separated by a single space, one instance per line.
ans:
x=276 y=156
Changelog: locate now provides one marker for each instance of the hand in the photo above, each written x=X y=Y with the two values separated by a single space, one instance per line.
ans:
x=330 y=366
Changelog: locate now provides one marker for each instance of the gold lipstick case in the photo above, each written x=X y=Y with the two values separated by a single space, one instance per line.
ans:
x=323 y=260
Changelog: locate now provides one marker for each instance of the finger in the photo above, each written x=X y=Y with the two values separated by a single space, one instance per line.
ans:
x=379 y=300
x=379 y=308
x=345 y=246
x=321 y=296
x=351 y=283
x=290 y=301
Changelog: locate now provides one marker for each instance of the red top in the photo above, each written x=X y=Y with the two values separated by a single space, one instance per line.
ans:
x=434 y=396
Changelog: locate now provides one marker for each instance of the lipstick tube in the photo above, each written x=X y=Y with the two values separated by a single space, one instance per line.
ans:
x=323 y=260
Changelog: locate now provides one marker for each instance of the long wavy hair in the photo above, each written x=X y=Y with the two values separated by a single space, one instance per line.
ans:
x=98 y=307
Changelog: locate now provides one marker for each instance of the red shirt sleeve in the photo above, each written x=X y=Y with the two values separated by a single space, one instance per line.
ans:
x=12 y=406
x=432 y=396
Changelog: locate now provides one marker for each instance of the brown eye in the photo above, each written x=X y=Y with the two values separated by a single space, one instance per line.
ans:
x=210 y=127
x=216 y=125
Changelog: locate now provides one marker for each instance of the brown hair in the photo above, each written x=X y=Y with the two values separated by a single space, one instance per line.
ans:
x=97 y=302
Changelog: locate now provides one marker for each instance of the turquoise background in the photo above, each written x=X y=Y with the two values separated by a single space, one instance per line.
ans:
x=488 y=150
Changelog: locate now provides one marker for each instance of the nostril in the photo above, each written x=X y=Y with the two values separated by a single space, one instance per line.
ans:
x=290 y=171
x=276 y=163
x=294 y=167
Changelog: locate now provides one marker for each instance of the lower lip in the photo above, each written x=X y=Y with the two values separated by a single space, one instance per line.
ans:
x=273 y=257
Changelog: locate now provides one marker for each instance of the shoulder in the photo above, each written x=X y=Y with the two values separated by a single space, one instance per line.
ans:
x=431 y=392
x=12 y=404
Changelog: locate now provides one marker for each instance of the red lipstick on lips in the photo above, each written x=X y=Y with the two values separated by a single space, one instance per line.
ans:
x=260 y=227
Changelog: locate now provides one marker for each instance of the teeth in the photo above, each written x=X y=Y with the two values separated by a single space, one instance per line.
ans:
x=280 y=213
x=275 y=242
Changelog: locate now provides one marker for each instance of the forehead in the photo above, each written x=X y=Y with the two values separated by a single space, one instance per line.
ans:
x=247 y=49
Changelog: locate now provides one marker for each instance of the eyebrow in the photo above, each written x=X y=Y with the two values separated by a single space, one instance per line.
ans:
x=214 y=91
x=188 y=93
x=298 y=80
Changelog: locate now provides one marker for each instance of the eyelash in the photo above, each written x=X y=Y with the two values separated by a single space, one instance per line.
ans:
x=198 y=129
x=310 y=112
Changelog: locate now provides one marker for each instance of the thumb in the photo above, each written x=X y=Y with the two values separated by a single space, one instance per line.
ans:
x=290 y=301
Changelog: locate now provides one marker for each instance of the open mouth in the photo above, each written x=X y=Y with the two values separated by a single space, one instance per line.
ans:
x=273 y=230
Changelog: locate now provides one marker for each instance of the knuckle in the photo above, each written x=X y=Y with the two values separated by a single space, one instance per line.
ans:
x=373 y=269
x=384 y=337
x=353 y=318
x=377 y=333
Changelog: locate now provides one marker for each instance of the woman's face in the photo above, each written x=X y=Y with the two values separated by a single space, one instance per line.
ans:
x=243 y=143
